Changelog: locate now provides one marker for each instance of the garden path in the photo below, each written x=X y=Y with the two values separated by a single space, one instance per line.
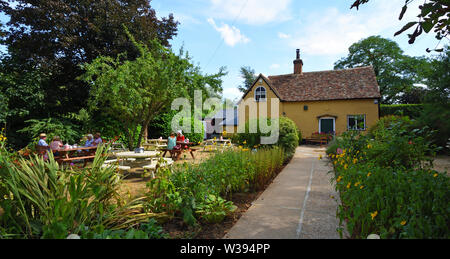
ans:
x=300 y=203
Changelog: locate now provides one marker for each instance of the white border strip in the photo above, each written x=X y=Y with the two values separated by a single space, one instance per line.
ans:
x=308 y=190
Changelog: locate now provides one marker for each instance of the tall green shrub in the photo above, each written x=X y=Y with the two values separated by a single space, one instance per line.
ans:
x=288 y=134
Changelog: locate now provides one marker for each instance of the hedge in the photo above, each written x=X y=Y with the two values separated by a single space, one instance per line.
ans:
x=413 y=111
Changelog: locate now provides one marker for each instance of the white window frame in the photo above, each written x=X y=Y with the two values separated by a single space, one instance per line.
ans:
x=265 y=94
x=327 y=118
x=356 y=117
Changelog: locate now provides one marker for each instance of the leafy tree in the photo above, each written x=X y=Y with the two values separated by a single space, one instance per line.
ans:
x=57 y=36
x=396 y=73
x=416 y=95
x=68 y=132
x=3 y=109
x=434 y=14
x=248 y=74
x=436 y=113
x=135 y=92
x=23 y=98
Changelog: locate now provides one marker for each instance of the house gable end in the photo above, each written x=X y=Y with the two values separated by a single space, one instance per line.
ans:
x=255 y=84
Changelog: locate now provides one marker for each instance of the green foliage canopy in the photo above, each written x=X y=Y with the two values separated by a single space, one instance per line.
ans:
x=396 y=73
x=135 y=92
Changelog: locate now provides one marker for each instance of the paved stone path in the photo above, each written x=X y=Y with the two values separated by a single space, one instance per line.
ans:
x=297 y=205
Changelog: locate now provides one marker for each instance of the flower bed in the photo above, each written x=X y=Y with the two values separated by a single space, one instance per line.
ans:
x=200 y=192
x=387 y=186
x=41 y=200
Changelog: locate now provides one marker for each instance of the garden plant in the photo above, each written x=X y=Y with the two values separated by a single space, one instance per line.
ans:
x=387 y=185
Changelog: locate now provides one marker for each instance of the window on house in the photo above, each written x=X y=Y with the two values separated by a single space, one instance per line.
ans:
x=356 y=122
x=260 y=94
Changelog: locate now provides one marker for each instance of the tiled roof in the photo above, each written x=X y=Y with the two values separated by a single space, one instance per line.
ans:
x=355 y=83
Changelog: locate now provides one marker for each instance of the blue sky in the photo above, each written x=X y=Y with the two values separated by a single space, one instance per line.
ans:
x=264 y=34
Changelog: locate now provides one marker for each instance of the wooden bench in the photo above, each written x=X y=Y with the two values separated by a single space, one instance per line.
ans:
x=176 y=154
x=85 y=158
x=171 y=152
x=318 y=138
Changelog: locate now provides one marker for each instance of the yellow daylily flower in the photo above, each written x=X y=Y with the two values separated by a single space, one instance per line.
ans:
x=373 y=215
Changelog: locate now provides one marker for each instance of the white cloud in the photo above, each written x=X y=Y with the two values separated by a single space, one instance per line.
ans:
x=332 y=32
x=230 y=34
x=255 y=12
x=232 y=93
x=283 y=35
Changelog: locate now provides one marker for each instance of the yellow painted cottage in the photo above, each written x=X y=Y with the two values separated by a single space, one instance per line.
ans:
x=325 y=102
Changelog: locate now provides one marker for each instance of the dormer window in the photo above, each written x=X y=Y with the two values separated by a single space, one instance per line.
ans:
x=260 y=94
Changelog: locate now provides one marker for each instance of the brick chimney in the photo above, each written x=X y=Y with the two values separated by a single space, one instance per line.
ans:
x=298 y=64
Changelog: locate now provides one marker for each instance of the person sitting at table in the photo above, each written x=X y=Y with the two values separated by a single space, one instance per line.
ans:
x=97 y=140
x=42 y=138
x=171 y=141
x=180 y=136
x=42 y=146
x=55 y=145
x=172 y=145
x=89 y=141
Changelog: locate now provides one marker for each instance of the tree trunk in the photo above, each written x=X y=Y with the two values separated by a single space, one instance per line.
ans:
x=143 y=128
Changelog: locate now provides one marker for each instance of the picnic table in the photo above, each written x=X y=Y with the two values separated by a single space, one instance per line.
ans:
x=117 y=147
x=213 y=142
x=185 y=147
x=131 y=154
x=156 y=143
x=75 y=154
